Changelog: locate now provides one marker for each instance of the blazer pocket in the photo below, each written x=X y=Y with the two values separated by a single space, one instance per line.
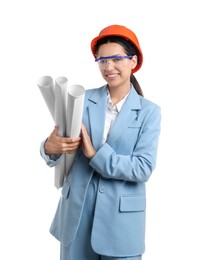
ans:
x=65 y=190
x=132 y=203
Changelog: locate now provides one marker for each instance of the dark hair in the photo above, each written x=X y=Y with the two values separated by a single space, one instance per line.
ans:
x=130 y=50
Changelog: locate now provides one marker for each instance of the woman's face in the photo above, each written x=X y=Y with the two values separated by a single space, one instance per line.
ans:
x=116 y=71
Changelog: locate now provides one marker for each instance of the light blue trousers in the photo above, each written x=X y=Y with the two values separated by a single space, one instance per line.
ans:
x=81 y=248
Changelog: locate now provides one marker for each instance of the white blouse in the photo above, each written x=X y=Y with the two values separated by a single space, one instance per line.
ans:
x=111 y=115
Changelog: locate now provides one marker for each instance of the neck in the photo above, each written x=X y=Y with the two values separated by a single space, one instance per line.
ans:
x=118 y=93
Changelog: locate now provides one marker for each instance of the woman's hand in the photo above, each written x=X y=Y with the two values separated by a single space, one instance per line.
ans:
x=87 y=146
x=57 y=145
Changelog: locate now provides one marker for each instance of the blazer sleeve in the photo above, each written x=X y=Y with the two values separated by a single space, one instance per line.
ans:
x=51 y=160
x=135 y=167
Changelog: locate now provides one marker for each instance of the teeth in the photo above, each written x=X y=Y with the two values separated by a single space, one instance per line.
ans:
x=112 y=76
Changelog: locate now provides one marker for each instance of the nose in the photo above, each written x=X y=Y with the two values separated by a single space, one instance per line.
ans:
x=108 y=62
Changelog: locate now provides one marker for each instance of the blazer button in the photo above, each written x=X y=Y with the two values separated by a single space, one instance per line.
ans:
x=102 y=189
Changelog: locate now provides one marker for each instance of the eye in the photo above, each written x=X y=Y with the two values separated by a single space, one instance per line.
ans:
x=116 y=60
x=102 y=62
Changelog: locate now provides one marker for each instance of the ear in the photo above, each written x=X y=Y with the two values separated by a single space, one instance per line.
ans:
x=134 y=61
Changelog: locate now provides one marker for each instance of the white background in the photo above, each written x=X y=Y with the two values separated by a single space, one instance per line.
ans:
x=52 y=37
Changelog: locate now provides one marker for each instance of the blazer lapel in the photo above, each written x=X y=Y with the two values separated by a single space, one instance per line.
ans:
x=97 y=110
x=127 y=114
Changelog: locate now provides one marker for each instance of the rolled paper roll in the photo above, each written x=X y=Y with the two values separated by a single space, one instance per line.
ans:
x=60 y=104
x=66 y=108
x=74 y=113
x=60 y=121
x=46 y=86
x=75 y=104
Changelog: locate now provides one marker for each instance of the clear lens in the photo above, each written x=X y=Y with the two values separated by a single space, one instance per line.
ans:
x=116 y=61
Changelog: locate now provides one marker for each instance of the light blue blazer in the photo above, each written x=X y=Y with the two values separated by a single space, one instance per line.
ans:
x=124 y=163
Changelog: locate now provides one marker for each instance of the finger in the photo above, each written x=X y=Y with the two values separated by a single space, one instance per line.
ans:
x=72 y=152
x=83 y=128
x=84 y=131
x=55 y=131
x=71 y=146
x=75 y=139
x=71 y=140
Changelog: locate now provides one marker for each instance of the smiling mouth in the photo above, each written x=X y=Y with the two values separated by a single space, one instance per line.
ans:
x=111 y=76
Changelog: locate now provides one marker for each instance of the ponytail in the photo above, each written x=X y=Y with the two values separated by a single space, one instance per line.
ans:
x=136 y=85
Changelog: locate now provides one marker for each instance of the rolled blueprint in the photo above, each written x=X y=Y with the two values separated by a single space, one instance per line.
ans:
x=74 y=114
x=66 y=108
x=46 y=86
x=60 y=121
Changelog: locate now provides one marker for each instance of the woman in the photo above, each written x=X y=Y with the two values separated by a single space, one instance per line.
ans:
x=101 y=212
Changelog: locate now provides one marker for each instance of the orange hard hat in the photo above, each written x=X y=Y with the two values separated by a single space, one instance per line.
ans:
x=122 y=31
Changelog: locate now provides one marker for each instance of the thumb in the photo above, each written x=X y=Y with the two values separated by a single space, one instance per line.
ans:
x=55 y=131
